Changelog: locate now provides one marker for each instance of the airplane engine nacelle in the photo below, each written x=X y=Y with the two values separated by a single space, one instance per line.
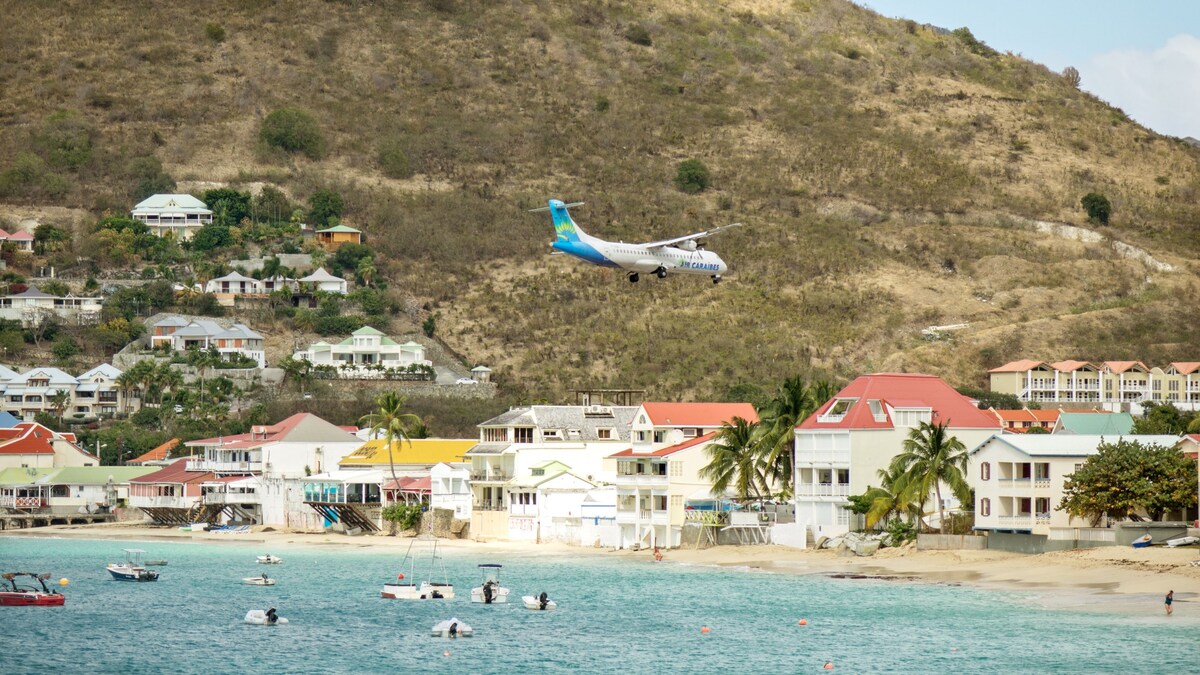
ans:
x=689 y=245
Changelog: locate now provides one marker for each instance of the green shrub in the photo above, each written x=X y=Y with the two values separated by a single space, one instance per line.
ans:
x=602 y=104
x=64 y=348
x=429 y=325
x=393 y=159
x=272 y=206
x=638 y=35
x=148 y=178
x=293 y=130
x=323 y=205
x=1097 y=206
x=145 y=417
x=405 y=516
x=901 y=530
x=65 y=140
x=215 y=32
x=211 y=236
x=336 y=325
x=692 y=176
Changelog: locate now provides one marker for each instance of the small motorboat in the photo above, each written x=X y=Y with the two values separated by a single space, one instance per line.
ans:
x=269 y=560
x=258 y=581
x=540 y=602
x=258 y=617
x=133 y=569
x=425 y=590
x=1142 y=541
x=1182 y=541
x=491 y=592
x=13 y=594
x=451 y=628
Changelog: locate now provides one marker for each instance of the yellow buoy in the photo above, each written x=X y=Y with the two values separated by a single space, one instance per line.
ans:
x=63 y=582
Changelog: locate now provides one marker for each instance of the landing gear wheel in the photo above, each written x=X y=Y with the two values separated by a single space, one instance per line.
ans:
x=716 y=278
x=633 y=277
x=661 y=272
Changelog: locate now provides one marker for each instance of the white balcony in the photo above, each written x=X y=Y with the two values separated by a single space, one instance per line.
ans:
x=232 y=498
x=839 y=458
x=162 y=502
x=1016 y=521
x=640 y=480
x=627 y=517
x=823 y=490
x=204 y=465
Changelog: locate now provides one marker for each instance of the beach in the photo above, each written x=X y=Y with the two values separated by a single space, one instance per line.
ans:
x=1122 y=579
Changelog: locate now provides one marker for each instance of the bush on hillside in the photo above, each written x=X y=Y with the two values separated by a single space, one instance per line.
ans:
x=1097 y=206
x=65 y=140
x=215 y=32
x=293 y=130
x=323 y=205
x=393 y=159
x=210 y=237
x=148 y=178
x=692 y=176
x=638 y=35
x=229 y=206
x=272 y=206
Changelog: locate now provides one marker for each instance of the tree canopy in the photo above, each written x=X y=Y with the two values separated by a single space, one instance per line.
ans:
x=1127 y=478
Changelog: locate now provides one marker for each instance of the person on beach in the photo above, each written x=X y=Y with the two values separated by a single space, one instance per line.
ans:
x=1170 y=599
x=657 y=555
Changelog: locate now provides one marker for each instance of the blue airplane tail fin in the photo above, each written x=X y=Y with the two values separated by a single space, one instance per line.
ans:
x=564 y=227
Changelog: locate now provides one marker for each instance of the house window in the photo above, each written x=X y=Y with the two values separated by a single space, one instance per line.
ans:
x=660 y=502
x=604 y=434
x=660 y=436
x=537 y=472
x=691 y=433
x=1173 y=385
x=676 y=501
x=985 y=507
x=639 y=436
x=985 y=471
x=676 y=470
x=660 y=469
x=552 y=435
x=495 y=435
x=522 y=434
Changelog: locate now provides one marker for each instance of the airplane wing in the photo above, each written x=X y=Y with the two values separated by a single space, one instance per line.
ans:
x=697 y=235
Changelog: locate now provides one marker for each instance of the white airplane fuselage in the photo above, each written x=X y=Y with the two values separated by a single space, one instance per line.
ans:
x=643 y=259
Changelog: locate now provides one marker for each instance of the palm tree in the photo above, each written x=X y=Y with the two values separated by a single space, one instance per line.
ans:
x=391 y=419
x=794 y=401
x=59 y=401
x=167 y=378
x=127 y=381
x=734 y=461
x=366 y=270
x=893 y=498
x=931 y=457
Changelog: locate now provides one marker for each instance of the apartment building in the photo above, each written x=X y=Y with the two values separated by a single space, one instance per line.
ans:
x=1113 y=385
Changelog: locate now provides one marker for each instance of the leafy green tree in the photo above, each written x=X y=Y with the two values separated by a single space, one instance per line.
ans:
x=1127 y=477
x=747 y=392
x=210 y=237
x=148 y=177
x=323 y=205
x=735 y=462
x=59 y=401
x=931 y=457
x=229 y=206
x=64 y=348
x=893 y=498
x=393 y=158
x=123 y=224
x=366 y=270
x=692 y=176
x=992 y=399
x=429 y=325
x=1097 y=206
x=49 y=237
x=1164 y=419
x=272 y=206
x=793 y=402
x=293 y=130
x=390 y=419
x=349 y=255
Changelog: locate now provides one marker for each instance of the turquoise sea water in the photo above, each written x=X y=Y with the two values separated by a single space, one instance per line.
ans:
x=616 y=615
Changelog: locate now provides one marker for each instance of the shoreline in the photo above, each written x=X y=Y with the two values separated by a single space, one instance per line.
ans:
x=1110 y=579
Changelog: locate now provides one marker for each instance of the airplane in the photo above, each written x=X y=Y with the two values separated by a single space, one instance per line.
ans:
x=656 y=257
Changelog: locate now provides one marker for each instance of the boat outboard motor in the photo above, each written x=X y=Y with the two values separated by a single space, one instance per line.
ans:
x=271 y=617
x=454 y=629
x=543 y=600
x=487 y=593
x=436 y=595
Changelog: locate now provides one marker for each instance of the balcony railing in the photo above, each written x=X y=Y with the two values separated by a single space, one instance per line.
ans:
x=1026 y=519
x=160 y=502
x=641 y=479
x=493 y=477
x=823 y=457
x=203 y=465
x=232 y=498
x=822 y=490
x=488 y=506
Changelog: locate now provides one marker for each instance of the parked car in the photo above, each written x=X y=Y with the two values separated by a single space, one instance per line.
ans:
x=464 y=380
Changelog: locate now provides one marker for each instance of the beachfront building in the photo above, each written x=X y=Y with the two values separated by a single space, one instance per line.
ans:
x=324 y=282
x=364 y=355
x=1019 y=478
x=513 y=443
x=1112 y=385
x=32 y=306
x=450 y=488
x=29 y=445
x=181 y=334
x=179 y=216
x=363 y=484
x=279 y=456
x=64 y=492
x=332 y=238
x=171 y=495
x=94 y=393
x=841 y=447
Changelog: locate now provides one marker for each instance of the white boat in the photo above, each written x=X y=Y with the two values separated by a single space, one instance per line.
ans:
x=259 y=618
x=132 y=569
x=540 y=603
x=491 y=592
x=452 y=628
x=425 y=590
x=258 y=581
x=1183 y=541
x=269 y=560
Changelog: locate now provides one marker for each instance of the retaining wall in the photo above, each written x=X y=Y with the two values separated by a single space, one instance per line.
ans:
x=951 y=542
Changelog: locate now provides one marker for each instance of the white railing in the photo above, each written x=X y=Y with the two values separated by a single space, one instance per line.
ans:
x=493 y=477
x=823 y=457
x=232 y=498
x=640 y=480
x=162 y=502
x=1016 y=520
x=203 y=465
x=822 y=490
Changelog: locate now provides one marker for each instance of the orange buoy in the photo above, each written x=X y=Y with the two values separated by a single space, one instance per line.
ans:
x=803 y=622
x=400 y=576
x=705 y=629
x=828 y=665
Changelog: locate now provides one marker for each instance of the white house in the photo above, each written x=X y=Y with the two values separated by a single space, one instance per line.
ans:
x=32 y=446
x=320 y=280
x=67 y=491
x=841 y=447
x=178 y=215
x=171 y=495
x=450 y=488
x=546 y=504
x=32 y=306
x=515 y=443
x=363 y=352
x=1019 y=478
x=92 y=394
x=280 y=455
x=183 y=334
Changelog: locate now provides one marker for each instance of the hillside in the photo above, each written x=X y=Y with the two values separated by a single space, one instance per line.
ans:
x=888 y=175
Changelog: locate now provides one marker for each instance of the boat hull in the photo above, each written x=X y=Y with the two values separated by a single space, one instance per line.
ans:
x=122 y=573
x=460 y=629
x=258 y=581
x=31 y=599
x=499 y=596
x=532 y=602
x=423 y=591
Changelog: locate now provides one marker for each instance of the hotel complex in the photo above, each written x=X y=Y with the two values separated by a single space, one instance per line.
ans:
x=1108 y=384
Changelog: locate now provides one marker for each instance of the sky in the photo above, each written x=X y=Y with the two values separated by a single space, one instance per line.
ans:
x=1142 y=56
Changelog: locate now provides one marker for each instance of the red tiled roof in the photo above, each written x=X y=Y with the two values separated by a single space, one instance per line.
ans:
x=267 y=434
x=669 y=450
x=157 y=454
x=1018 y=366
x=1186 y=367
x=1069 y=366
x=409 y=484
x=698 y=414
x=175 y=472
x=1123 y=366
x=31 y=438
x=21 y=236
x=949 y=406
